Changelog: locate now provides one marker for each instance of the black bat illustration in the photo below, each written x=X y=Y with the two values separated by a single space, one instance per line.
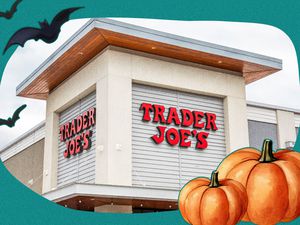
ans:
x=9 y=14
x=47 y=33
x=11 y=121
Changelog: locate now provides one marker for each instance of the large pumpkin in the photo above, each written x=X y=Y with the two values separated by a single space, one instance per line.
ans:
x=272 y=182
x=205 y=202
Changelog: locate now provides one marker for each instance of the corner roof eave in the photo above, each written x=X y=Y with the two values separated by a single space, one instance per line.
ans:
x=97 y=34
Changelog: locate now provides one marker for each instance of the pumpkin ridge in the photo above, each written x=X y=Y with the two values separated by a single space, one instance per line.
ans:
x=238 y=165
x=262 y=180
x=229 y=205
x=191 y=191
x=243 y=151
x=288 y=185
x=228 y=215
x=246 y=188
x=193 y=180
x=199 y=187
x=250 y=173
x=194 y=187
x=290 y=154
x=186 y=217
x=205 y=192
x=235 y=186
x=200 y=204
x=283 y=151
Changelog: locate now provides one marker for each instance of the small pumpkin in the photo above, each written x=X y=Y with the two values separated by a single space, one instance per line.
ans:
x=272 y=182
x=210 y=202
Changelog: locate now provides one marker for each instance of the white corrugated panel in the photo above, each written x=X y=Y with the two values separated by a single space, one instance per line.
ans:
x=297 y=120
x=21 y=144
x=261 y=114
x=81 y=167
x=164 y=166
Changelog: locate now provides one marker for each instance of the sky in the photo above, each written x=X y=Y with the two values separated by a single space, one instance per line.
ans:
x=281 y=88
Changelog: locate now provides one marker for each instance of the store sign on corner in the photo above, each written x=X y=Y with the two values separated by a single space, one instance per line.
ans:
x=77 y=133
x=197 y=120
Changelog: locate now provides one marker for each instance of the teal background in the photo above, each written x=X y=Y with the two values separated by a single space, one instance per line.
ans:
x=18 y=204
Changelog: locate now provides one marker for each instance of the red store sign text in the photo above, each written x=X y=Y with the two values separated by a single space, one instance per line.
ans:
x=184 y=118
x=77 y=134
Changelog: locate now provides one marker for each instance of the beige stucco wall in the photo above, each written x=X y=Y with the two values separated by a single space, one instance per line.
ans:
x=72 y=90
x=153 y=71
x=112 y=74
x=285 y=127
x=27 y=166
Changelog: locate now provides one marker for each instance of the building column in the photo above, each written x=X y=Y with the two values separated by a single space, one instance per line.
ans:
x=236 y=124
x=113 y=147
x=285 y=127
x=114 y=123
x=101 y=156
x=50 y=152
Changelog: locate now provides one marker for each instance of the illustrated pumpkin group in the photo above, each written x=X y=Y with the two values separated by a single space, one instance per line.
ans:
x=270 y=179
x=272 y=182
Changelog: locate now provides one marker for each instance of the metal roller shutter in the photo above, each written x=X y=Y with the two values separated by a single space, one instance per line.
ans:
x=164 y=166
x=261 y=114
x=81 y=167
x=258 y=131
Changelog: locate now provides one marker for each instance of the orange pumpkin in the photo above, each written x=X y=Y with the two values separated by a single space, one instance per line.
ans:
x=272 y=182
x=205 y=202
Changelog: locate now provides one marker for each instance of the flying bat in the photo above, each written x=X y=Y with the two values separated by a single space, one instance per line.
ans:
x=9 y=13
x=47 y=32
x=11 y=121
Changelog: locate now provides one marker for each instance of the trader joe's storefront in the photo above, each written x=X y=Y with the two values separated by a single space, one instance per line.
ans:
x=175 y=136
x=131 y=117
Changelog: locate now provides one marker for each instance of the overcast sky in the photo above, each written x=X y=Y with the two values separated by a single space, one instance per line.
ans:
x=281 y=88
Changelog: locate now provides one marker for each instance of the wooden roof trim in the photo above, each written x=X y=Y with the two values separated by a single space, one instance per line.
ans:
x=96 y=35
x=184 y=42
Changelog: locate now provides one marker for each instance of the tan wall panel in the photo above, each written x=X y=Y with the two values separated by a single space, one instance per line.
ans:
x=27 y=166
x=286 y=131
x=114 y=209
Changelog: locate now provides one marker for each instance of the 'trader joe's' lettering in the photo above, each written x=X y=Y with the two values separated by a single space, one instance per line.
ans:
x=184 y=118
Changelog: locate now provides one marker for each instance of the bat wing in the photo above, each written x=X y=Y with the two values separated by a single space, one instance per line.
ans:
x=13 y=8
x=3 y=14
x=21 y=36
x=3 y=122
x=62 y=17
x=17 y=112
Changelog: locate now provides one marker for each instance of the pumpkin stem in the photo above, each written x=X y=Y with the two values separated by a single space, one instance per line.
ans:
x=267 y=152
x=214 y=181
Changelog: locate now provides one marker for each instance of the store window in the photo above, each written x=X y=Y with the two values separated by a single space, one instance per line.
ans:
x=258 y=131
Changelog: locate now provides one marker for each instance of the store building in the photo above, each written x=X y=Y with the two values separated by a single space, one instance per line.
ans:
x=133 y=114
